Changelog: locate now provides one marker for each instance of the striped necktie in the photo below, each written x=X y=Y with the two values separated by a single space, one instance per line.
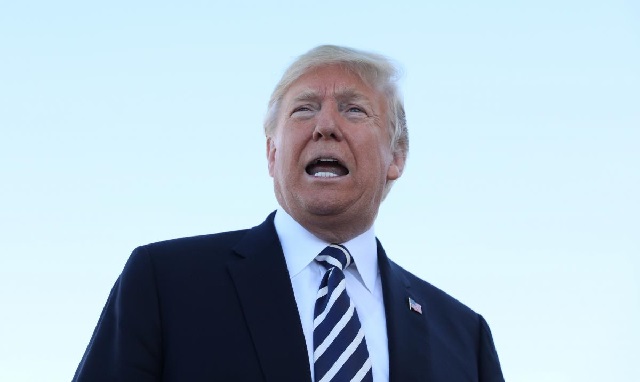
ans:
x=339 y=348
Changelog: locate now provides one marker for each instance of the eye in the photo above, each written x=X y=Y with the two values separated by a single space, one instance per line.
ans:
x=352 y=107
x=303 y=109
x=355 y=111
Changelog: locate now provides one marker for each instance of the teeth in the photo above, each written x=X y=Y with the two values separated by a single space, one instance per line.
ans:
x=326 y=160
x=324 y=174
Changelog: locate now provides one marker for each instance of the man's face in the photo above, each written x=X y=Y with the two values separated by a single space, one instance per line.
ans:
x=330 y=154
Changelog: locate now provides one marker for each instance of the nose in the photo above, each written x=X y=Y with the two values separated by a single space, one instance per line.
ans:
x=328 y=125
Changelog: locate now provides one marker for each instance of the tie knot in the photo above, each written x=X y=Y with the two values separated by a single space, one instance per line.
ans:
x=335 y=255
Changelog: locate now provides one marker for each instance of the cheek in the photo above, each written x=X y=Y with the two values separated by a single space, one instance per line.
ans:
x=291 y=147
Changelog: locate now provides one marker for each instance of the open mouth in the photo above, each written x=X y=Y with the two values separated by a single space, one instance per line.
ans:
x=326 y=168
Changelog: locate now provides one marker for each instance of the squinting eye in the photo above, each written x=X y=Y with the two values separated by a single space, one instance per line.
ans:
x=355 y=109
x=301 y=109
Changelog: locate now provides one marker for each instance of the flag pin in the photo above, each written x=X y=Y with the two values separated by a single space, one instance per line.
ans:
x=414 y=306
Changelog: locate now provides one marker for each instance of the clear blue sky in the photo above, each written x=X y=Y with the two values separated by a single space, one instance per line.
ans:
x=125 y=123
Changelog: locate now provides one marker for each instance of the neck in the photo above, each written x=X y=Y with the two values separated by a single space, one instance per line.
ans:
x=333 y=229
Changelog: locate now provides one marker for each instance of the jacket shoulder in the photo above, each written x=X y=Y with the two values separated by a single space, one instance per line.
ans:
x=195 y=244
x=188 y=254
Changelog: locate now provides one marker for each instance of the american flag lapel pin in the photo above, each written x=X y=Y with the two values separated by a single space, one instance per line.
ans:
x=413 y=305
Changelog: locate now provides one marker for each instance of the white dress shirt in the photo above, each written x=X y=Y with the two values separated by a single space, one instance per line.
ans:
x=364 y=287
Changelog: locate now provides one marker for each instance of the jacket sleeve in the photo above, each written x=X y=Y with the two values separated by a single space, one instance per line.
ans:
x=488 y=363
x=126 y=343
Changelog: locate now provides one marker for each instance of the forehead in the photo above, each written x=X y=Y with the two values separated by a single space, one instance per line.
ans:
x=333 y=81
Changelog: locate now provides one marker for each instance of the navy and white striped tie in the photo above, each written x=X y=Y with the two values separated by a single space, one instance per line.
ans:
x=339 y=348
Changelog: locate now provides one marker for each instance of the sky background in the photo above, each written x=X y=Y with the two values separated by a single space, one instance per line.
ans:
x=124 y=123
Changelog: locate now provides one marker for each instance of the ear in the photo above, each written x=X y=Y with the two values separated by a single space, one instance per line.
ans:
x=271 y=155
x=396 y=166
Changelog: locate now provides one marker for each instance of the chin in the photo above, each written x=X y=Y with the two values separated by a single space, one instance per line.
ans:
x=316 y=207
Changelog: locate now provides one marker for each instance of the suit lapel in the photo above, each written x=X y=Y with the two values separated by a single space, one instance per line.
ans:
x=406 y=329
x=264 y=288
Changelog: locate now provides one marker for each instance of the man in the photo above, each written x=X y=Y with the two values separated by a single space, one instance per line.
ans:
x=310 y=293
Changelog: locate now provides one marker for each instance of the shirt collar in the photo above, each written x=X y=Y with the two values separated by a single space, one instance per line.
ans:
x=300 y=248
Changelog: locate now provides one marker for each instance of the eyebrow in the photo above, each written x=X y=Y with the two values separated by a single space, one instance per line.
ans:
x=307 y=95
x=342 y=95
x=349 y=94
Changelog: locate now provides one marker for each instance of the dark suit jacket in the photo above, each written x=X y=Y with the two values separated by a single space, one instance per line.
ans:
x=221 y=308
